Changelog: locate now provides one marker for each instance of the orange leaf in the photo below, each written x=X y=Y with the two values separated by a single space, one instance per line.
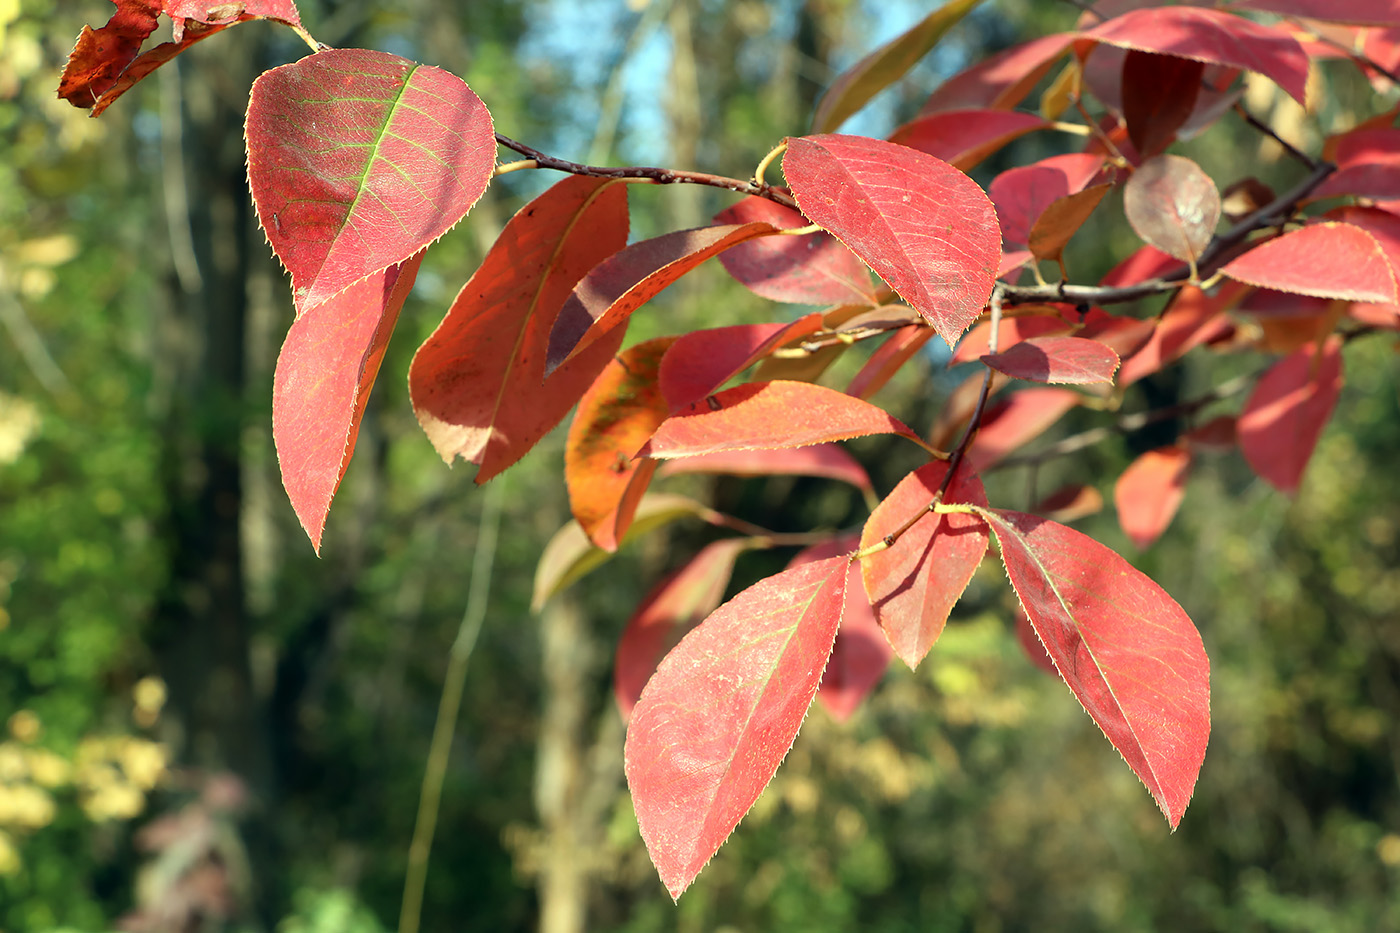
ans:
x=615 y=417
x=478 y=383
x=769 y=415
x=1150 y=491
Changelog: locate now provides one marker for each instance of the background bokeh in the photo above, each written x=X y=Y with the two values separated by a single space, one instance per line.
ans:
x=207 y=728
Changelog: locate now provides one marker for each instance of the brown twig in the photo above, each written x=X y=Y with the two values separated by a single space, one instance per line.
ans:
x=1270 y=215
x=1129 y=423
x=959 y=452
x=1308 y=161
x=654 y=175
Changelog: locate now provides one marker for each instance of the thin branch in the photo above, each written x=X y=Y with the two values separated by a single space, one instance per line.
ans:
x=1129 y=423
x=173 y=186
x=31 y=345
x=1307 y=161
x=1270 y=215
x=449 y=706
x=653 y=175
x=611 y=106
x=973 y=423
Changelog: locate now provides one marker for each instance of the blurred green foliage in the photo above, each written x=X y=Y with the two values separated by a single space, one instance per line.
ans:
x=972 y=794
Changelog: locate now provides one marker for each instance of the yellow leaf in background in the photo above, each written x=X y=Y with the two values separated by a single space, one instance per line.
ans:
x=46 y=250
x=19 y=420
x=25 y=726
x=9 y=855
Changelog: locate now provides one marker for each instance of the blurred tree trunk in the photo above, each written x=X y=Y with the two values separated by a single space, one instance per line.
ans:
x=200 y=632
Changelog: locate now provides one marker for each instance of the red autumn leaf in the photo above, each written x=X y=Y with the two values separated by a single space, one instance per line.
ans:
x=673 y=607
x=861 y=655
x=1019 y=418
x=1173 y=205
x=478 y=383
x=1064 y=360
x=1377 y=181
x=957 y=408
x=105 y=63
x=1125 y=648
x=569 y=555
x=1069 y=503
x=1280 y=424
x=1150 y=491
x=923 y=226
x=1123 y=335
x=703 y=360
x=977 y=342
x=1211 y=36
x=1383 y=225
x=1217 y=434
x=1022 y=194
x=1061 y=220
x=769 y=415
x=612 y=290
x=322 y=384
x=913 y=584
x=1030 y=643
x=1365 y=144
x=1368 y=164
x=813 y=269
x=1146 y=263
x=1159 y=93
x=828 y=461
x=615 y=417
x=359 y=159
x=1353 y=12
x=888 y=359
x=722 y=710
x=1000 y=81
x=963 y=138
x=1326 y=260
x=799 y=364
x=1192 y=318
x=1012 y=261
x=884 y=66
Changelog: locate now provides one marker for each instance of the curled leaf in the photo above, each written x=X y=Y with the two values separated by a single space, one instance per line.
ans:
x=1173 y=205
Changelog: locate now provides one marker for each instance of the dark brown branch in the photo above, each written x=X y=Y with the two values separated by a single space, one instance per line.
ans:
x=1129 y=423
x=1272 y=214
x=1307 y=161
x=657 y=176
